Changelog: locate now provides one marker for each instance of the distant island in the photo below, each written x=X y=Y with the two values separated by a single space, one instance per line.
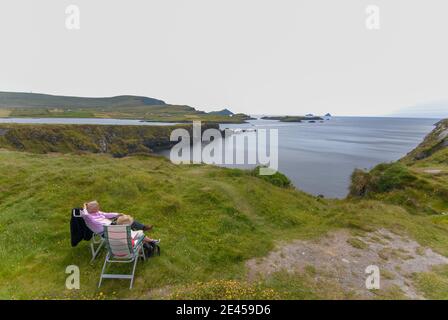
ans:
x=293 y=118
x=34 y=105
x=223 y=112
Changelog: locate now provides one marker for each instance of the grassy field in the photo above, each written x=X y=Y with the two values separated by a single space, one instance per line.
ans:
x=4 y=113
x=163 y=113
x=211 y=221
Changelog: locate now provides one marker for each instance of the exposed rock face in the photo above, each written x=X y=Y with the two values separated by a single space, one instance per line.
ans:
x=436 y=140
x=116 y=140
x=443 y=138
x=103 y=145
x=443 y=134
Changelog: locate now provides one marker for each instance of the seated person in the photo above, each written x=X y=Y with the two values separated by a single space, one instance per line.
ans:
x=96 y=220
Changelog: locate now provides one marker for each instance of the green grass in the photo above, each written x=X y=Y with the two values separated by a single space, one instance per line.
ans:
x=152 y=113
x=163 y=113
x=434 y=284
x=357 y=243
x=211 y=221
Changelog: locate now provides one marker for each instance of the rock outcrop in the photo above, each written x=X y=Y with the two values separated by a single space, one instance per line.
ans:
x=116 y=140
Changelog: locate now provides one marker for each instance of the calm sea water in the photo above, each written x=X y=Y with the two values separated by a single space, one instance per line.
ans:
x=320 y=157
x=123 y=122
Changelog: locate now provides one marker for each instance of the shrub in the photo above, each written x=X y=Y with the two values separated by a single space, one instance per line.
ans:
x=277 y=179
x=383 y=178
x=359 y=183
x=395 y=176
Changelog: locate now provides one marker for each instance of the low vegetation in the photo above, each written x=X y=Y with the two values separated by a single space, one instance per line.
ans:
x=277 y=179
x=418 y=182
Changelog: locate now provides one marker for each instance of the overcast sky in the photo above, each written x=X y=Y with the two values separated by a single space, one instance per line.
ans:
x=252 y=56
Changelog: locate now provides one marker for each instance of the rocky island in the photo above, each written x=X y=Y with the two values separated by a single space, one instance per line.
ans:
x=293 y=118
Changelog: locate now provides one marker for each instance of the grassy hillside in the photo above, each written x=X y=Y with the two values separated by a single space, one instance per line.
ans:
x=437 y=140
x=36 y=100
x=121 y=107
x=419 y=181
x=211 y=221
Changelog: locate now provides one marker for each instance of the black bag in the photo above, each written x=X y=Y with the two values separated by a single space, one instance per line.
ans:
x=151 y=249
x=78 y=228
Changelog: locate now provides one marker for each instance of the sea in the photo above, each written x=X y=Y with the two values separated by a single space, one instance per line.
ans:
x=318 y=157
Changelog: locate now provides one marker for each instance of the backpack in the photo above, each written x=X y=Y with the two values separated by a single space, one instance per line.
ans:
x=151 y=249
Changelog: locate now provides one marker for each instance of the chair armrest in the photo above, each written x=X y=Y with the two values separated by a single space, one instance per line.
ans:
x=138 y=242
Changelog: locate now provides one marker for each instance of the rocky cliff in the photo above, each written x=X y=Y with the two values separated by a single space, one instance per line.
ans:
x=116 y=140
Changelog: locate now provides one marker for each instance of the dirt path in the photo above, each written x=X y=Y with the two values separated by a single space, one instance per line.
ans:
x=345 y=259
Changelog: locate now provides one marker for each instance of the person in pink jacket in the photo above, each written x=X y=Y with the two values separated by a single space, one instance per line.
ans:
x=96 y=220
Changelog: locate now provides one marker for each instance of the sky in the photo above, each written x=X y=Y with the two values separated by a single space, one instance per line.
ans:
x=253 y=56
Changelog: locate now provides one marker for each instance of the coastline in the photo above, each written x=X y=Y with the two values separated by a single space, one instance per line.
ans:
x=316 y=178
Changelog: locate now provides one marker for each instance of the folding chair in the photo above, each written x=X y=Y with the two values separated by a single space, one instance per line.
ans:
x=120 y=249
x=96 y=242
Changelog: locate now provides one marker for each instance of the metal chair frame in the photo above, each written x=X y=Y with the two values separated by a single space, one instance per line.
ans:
x=133 y=254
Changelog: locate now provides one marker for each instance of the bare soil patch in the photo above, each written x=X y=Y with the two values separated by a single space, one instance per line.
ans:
x=344 y=259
